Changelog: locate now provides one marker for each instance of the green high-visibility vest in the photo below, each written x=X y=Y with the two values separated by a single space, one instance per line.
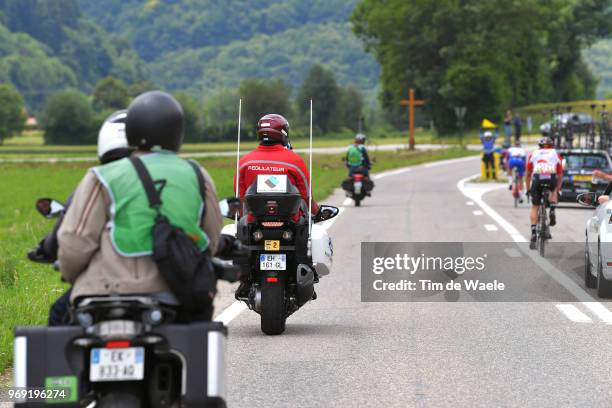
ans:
x=354 y=156
x=132 y=219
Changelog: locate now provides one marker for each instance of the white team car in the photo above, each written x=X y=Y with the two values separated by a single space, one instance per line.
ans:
x=598 y=248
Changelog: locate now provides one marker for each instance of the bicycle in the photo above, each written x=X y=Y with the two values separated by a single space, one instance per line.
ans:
x=515 y=187
x=542 y=228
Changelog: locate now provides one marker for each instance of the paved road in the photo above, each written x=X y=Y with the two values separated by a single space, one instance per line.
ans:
x=339 y=351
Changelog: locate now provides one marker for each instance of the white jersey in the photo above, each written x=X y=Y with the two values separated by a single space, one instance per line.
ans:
x=516 y=152
x=544 y=162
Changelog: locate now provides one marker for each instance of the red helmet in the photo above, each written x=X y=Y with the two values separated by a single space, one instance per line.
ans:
x=273 y=128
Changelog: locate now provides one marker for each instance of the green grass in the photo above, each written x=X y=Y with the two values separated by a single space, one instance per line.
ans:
x=31 y=145
x=27 y=289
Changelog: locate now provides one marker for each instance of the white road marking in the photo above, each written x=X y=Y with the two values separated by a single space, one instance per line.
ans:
x=231 y=312
x=491 y=227
x=470 y=203
x=477 y=212
x=348 y=201
x=573 y=313
x=391 y=173
x=475 y=193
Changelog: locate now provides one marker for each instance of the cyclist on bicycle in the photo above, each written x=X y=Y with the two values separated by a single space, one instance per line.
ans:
x=545 y=167
x=516 y=160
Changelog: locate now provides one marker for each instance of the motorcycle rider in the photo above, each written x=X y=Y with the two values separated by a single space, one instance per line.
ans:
x=105 y=239
x=544 y=165
x=273 y=157
x=357 y=156
x=112 y=145
x=516 y=159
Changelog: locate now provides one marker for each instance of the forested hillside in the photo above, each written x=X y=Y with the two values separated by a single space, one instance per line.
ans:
x=209 y=44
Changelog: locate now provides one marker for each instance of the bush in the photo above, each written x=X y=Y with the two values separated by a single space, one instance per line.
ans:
x=68 y=118
x=12 y=112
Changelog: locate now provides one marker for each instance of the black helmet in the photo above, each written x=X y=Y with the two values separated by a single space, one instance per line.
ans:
x=155 y=118
x=546 y=142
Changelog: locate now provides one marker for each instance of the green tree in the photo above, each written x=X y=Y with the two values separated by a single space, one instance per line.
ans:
x=110 y=93
x=12 y=112
x=68 y=118
x=193 y=129
x=427 y=44
x=140 y=87
x=351 y=108
x=260 y=97
x=320 y=86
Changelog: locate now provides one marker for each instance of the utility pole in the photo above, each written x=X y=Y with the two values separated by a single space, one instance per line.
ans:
x=411 y=103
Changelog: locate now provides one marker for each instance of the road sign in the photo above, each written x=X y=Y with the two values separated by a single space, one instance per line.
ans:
x=460 y=112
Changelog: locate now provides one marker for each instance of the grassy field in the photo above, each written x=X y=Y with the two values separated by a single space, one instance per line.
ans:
x=27 y=289
x=31 y=145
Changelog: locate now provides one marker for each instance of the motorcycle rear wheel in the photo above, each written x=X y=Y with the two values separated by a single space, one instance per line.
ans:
x=273 y=309
x=119 y=400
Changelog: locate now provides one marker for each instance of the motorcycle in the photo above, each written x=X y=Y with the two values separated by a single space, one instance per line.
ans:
x=285 y=259
x=358 y=186
x=121 y=351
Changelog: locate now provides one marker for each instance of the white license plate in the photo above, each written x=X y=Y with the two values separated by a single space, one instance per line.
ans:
x=358 y=185
x=269 y=262
x=117 y=364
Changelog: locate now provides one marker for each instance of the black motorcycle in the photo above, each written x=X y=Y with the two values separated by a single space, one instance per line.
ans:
x=284 y=261
x=358 y=186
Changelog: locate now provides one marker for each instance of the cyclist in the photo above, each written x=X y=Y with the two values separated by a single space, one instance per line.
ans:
x=357 y=156
x=544 y=166
x=516 y=160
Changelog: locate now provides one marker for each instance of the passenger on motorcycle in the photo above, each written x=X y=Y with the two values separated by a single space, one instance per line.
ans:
x=112 y=145
x=105 y=241
x=517 y=160
x=357 y=158
x=544 y=169
x=273 y=157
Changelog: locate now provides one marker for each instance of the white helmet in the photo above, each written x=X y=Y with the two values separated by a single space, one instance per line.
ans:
x=112 y=143
x=488 y=134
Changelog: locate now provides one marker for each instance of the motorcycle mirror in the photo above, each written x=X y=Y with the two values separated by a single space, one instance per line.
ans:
x=587 y=199
x=49 y=207
x=230 y=207
x=326 y=212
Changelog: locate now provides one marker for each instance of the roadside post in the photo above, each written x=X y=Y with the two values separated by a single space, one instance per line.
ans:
x=411 y=103
x=460 y=112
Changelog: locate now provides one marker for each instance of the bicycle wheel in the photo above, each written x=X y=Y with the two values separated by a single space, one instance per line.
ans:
x=515 y=190
x=543 y=221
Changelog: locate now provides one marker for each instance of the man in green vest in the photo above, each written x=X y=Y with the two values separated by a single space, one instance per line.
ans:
x=105 y=241
x=357 y=156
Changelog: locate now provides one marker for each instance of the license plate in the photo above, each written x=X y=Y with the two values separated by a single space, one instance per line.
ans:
x=269 y=262
x=358 y=185
x=117 y=364
x=272 y=245
x=583 y=177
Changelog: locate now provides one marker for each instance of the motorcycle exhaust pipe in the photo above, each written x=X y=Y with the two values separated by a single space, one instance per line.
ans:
x=305 y=284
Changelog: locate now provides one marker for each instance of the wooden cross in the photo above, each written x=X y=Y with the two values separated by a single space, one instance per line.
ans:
x=411 y=103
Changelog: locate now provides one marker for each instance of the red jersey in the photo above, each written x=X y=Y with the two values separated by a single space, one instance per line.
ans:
x=274 y=159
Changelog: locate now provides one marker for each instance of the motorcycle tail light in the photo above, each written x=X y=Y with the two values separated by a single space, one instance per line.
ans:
x=272 y=224
x=257 y=235
x=271 y=208
x=358 y=177
x=272 y=279
x=117 y=344
x=287 y=235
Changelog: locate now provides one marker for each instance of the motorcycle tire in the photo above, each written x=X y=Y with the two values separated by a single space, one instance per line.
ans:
x=119 y=400
x=273 y=309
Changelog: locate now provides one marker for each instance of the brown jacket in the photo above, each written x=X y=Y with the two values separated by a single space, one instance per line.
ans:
x=89 y=261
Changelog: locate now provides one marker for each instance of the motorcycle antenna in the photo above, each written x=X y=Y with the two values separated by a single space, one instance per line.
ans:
x=238 y=160
x=310 y=188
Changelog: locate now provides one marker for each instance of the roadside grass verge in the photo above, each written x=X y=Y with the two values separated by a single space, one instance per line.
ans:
x=27 y=289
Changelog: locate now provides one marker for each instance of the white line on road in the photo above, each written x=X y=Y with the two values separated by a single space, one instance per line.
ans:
x=572 y=287
x=477 y=212
x=348 y=201
x=573 y=313
x=450 y=161
x=391 y=173
x=231 y=312
x=470 y=203
x=491 y=227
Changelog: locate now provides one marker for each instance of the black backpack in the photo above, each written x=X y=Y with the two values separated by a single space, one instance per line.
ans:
x=188 y=271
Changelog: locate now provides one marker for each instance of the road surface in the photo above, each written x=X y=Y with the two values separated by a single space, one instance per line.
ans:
x=338 y=351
